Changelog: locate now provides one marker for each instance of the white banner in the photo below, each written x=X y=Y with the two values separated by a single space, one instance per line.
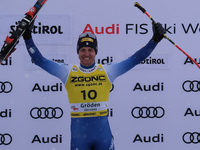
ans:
x=48 y=28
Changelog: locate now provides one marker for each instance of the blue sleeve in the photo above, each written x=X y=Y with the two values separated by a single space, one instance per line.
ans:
x=116 y=69
x=56 y=69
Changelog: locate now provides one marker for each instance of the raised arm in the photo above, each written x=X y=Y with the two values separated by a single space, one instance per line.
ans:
x=116 y=69
x=56 y=69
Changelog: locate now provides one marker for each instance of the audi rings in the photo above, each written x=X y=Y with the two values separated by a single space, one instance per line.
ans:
x=148 y=112
x=189 y=137
x=191 y=86
x=5 y=139
x=5 y=87
x=48 y=113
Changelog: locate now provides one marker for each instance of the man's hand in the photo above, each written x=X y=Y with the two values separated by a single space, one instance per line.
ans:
x=27 y=34
x=158 y=32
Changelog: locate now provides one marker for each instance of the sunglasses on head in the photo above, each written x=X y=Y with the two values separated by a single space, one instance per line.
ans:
x=87 y=34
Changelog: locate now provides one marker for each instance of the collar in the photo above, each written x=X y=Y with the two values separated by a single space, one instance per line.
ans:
x=88 y=69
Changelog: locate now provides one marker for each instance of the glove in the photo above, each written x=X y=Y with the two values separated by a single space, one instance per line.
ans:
x=158 y=32
x=27 y=34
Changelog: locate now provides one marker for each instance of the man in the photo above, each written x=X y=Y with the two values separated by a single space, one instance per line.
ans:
x=88 y=86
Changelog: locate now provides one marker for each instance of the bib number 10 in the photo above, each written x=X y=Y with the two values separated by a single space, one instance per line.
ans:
x=92 y=94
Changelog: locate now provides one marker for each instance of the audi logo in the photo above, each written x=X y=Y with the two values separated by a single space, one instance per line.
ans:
x=5 y=139
x=5 y=87
x=48 y=113
x=191 y=86
x=189 y=137
x=148 y=112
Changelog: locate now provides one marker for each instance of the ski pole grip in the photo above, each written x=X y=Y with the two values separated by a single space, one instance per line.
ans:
x=140 y=7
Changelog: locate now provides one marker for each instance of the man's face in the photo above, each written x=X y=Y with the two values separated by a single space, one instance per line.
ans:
x=87 y=56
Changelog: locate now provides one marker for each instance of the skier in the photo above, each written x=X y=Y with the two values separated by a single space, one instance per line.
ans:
x=90 y=128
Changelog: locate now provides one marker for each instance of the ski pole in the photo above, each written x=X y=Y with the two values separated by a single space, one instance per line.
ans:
x=145 y=12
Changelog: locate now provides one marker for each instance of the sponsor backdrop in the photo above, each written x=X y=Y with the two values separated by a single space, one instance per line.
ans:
x=154 y=106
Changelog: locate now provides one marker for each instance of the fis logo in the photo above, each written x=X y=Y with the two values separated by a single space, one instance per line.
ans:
x=143 y=28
